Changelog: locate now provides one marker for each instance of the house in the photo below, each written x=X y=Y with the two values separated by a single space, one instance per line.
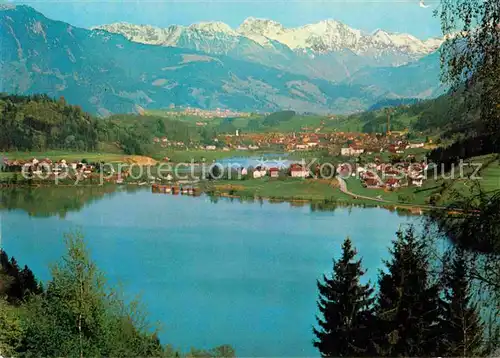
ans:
x=415 y=145
x=392 y=183
x=298 y=171
x=351 y=151
x=417 y=182
x=259 y=172
x=301 y=146
x=274 y=172
x=344 y=170
x=371 y=183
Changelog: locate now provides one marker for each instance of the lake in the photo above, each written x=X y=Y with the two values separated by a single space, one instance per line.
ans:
x=233 y=273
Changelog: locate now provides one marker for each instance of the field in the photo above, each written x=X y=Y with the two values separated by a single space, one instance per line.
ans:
x=68 y=156
x=287 y=189
x=405 y=195
x=488 y=177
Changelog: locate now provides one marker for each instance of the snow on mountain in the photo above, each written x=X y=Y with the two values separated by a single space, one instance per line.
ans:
x=322 y=37
x=331 y=35
x=328 y=49
x=173 y=35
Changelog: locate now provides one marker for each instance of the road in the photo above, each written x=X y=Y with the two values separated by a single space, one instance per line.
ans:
x=343 y=188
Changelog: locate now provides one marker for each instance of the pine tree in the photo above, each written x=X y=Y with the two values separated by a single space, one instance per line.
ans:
x=408 y=305
x=461 y=325
x=29 y=283
x=346 y=308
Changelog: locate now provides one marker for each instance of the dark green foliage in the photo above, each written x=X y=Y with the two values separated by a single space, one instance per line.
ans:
x=16 y=285
x=135 y=133
x=276 y=118
x=11 y=333
x=471 y=59
x=408 y=302
x=475 y=227
x=461 y=327
x=39 y=123
x=346 y=309
x=226 y=126
x=215 y=172
x=467 y=147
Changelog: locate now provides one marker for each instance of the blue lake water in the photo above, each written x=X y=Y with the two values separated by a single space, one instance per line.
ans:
x=266 y=160
x=233 y=273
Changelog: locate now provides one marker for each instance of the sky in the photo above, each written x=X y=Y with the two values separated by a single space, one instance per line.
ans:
x=368 y=15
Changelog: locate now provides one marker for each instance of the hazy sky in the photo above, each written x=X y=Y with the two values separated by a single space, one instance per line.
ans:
x=368 y=15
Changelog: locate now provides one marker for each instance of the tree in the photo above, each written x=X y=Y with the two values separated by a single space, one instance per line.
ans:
x=10 y=330
x=215 y=171
x=461 y=326
x=408 y=303
x=475 y=227
x=470 y=58
x=346 y=308
x=79 y=316
x=16 y=284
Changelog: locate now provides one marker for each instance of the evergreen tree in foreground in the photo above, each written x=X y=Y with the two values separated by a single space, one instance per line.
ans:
x=346 y=309
x=408 y=304
x=16 y=285
x=462 y=327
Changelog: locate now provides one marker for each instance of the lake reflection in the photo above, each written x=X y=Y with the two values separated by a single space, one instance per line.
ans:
x=237 y=273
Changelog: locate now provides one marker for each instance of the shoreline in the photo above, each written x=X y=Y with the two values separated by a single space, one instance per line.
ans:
x=225 y=192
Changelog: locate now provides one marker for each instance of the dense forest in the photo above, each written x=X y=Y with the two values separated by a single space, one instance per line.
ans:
x=444 y=115
x=38 y=123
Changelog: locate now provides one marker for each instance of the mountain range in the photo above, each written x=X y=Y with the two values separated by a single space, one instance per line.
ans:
x=328 y=49
x=261 y=66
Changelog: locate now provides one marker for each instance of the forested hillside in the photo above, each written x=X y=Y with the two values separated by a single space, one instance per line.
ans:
x=444 y=114
x=39 y=123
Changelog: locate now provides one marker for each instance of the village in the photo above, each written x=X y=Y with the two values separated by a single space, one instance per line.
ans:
x=180 y=112
x=377 y=150
x=336 y=143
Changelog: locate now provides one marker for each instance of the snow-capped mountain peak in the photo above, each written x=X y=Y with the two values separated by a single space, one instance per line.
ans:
x=332 y=35
x=318 y=49
x=255 y=26
x=213 y=27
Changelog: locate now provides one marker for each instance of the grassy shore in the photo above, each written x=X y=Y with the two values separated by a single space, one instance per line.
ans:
x=67 y=155
x=434 y=191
